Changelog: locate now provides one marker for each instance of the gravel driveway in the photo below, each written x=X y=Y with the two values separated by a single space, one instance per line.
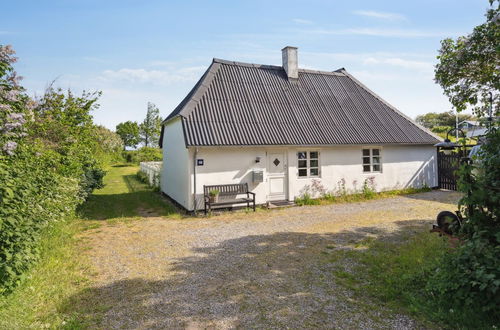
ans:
x=245 y=270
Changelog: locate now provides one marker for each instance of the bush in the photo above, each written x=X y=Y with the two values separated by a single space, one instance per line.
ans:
x=368 y=189
x=32 y=197
x=51 y=158
x=441 y=129
x=306 y=199
x=144 y=154
x=142 y=177
x=92 y=179
x=470 y=275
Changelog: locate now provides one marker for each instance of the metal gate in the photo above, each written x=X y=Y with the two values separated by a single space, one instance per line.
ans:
x=447 y=167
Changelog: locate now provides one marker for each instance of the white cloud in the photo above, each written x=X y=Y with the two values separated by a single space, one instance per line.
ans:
x=157 y=77
x=404 y=63
x=302 y=21
x=404 y=33
x=380 y=15
x=162 y=63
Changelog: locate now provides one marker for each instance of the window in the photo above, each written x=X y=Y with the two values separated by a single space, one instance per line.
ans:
x=308 y=163
x=372 y=160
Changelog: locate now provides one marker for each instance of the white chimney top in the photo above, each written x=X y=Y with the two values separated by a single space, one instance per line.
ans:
x=290 y=62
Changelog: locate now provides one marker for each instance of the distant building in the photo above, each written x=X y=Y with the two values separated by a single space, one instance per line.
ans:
x=468 y=125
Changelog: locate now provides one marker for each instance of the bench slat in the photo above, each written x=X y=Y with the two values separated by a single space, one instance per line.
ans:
x=228 y=192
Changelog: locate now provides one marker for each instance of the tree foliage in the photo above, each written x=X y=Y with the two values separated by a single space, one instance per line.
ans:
x=469 y=276
x=468 y=68
x=129 y=133
x=433 y=119
x=109 y=142
x=144 y=154
x=51 y=158
x=150 y=128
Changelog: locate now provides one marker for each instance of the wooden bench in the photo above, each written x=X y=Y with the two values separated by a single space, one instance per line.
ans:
x=229 y=194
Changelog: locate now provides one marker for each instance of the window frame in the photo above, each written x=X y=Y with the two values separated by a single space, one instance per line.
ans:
x=308 y=166
x=371 y=162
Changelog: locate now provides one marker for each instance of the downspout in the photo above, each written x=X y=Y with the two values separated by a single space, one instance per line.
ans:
x=195 y=156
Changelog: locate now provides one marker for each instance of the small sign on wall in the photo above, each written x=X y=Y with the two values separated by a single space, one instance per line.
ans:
x=199 y=162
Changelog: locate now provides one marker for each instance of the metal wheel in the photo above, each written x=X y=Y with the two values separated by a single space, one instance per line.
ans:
x=445 y=219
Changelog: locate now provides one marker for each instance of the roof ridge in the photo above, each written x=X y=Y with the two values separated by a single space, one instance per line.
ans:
x=390 y=106
x=275 y=67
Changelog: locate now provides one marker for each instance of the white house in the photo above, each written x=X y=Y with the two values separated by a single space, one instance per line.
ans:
x=467 y=125
x=297 y=127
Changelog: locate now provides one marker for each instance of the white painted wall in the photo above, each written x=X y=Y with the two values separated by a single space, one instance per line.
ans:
x=225 y=165
x=403 y=166
x=175 y=176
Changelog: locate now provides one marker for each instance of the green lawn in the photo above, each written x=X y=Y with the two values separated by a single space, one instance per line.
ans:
x=396 y=275
x=41 y=301
x=124 y=196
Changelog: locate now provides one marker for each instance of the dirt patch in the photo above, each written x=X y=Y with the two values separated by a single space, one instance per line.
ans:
x=250 y=270
x=147 y=213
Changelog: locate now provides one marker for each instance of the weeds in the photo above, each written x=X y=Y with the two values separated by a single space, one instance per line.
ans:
x=397 y=274
x=317 y=194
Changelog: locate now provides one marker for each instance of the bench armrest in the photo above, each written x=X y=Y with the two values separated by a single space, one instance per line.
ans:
x=252 y=193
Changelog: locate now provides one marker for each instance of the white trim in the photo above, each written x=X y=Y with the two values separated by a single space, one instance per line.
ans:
x=308 y=166
x=371 y=156
x=286 y=179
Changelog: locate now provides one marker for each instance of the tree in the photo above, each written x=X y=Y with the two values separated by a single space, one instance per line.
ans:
x=49 y=162
x=150 y=128
x=129 y=133
x=468 y=278
x=433 y=119
x=468 y=67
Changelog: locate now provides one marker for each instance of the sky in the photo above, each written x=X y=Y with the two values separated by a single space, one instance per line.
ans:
x=154 y=51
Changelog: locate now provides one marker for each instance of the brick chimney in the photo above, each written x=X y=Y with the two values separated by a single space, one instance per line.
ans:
x=290 y=62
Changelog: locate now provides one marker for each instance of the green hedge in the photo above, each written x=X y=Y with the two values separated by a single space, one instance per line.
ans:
x=32 y=197
x=51 y=158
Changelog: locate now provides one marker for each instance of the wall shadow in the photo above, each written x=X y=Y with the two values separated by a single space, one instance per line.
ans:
x=260 y=281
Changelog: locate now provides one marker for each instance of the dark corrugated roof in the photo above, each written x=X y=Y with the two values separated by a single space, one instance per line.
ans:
x=249 y=104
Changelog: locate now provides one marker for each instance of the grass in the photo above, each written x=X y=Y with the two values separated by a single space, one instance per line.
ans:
x=357 y=197
x=41 y=301
x=396 y=275
x=124 y=196
x=61 y=272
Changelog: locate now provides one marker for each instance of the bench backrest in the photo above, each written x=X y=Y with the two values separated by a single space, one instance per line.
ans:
x=227 y=189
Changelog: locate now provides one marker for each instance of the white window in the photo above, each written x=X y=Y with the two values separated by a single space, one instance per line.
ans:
x=372 y=160
x=308 y=164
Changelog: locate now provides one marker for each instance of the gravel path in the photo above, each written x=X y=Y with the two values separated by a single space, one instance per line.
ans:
x=245 y=270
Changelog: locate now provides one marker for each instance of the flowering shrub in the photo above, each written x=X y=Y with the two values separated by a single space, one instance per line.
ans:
x=368 y=189
x=50 y=161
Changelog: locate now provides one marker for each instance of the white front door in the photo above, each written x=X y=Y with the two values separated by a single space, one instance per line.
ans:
x=276 y=175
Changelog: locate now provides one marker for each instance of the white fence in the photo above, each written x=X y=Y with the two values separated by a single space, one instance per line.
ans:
x=152 y=171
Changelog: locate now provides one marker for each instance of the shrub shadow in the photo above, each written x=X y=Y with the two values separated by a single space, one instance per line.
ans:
x=129 y=205
x=140 y=201
x=122 y=165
